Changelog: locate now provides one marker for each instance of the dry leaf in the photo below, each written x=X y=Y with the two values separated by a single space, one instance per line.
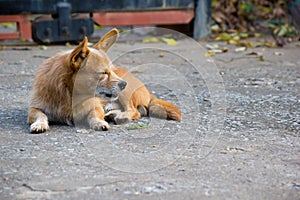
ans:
x=225 y=49
x=244 y=35
x=209 y=54
x=169 y=41
x=232 y=41
x=246 y=44
x=68 y=44
x=216 y=51
x=240 y=49
x=150 y=40
x=212 y=46
x=42 y=47
x=278 y=53
x=223 y=37
x=215 y=28
x=269 y=44
x=252 y=53
x=261 y=58
x=161 y=55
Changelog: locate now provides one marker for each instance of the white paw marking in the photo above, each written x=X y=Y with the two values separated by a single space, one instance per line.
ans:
x=39 y=126
x=98 y=125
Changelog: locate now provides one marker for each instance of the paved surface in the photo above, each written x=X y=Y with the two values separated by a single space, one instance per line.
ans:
x=239 y=138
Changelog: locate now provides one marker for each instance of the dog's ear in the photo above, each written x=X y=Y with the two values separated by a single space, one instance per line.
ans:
x=79 y=54
x=107 y=40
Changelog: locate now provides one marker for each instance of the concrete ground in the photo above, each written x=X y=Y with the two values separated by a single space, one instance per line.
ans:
x=239 y=137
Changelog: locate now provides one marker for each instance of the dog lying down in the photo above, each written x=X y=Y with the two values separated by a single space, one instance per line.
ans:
x=81 y=85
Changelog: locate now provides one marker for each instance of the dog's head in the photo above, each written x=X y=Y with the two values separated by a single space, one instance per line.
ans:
x=93 y=69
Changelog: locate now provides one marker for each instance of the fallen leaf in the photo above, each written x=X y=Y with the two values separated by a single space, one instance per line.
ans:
x=150 y=40
x=215 y=28
x=42 y=47
x=216 y=51
x=278 y=53
x=169 y=41
x=209 y=54
x=240 y=49
x=244 y=35
x=235 y=37
x=245 y=44
x=282 y=31
x=68 y=44
x=223 y=37
x=225 y=49
x=261 y=58
x=253 y=53
x=269 y=44
x=232 y=41
x=212 y=46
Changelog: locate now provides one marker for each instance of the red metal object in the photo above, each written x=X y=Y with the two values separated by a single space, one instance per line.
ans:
x=106 y=19
x=23 y=27
x=143 y=17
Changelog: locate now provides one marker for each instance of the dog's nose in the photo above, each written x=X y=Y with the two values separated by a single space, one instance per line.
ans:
x=122 y=85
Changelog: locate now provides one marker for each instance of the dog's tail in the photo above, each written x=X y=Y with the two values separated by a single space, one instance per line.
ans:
x=163 y=109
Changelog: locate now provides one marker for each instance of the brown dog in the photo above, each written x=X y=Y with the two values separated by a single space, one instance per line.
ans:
x=77 y=86
x=66 y=84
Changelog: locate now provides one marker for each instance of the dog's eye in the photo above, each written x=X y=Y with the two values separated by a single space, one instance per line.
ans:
x=101 y=73
x=103 y=76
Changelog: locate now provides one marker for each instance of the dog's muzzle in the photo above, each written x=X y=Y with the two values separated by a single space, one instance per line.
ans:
x=111 y=93
x=108 y=93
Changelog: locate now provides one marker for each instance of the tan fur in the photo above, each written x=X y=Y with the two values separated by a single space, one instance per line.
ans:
x=64 y=87
x=136 y=95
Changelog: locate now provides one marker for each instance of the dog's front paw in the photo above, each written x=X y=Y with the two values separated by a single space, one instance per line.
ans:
x=122 y=118
x=39 y=127
x=98 y=124
x=119 y=117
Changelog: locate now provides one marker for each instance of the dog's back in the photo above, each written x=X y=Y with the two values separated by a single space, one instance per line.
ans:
x=52 y=89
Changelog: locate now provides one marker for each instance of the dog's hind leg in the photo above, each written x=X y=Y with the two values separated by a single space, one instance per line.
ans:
x=38 y=120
